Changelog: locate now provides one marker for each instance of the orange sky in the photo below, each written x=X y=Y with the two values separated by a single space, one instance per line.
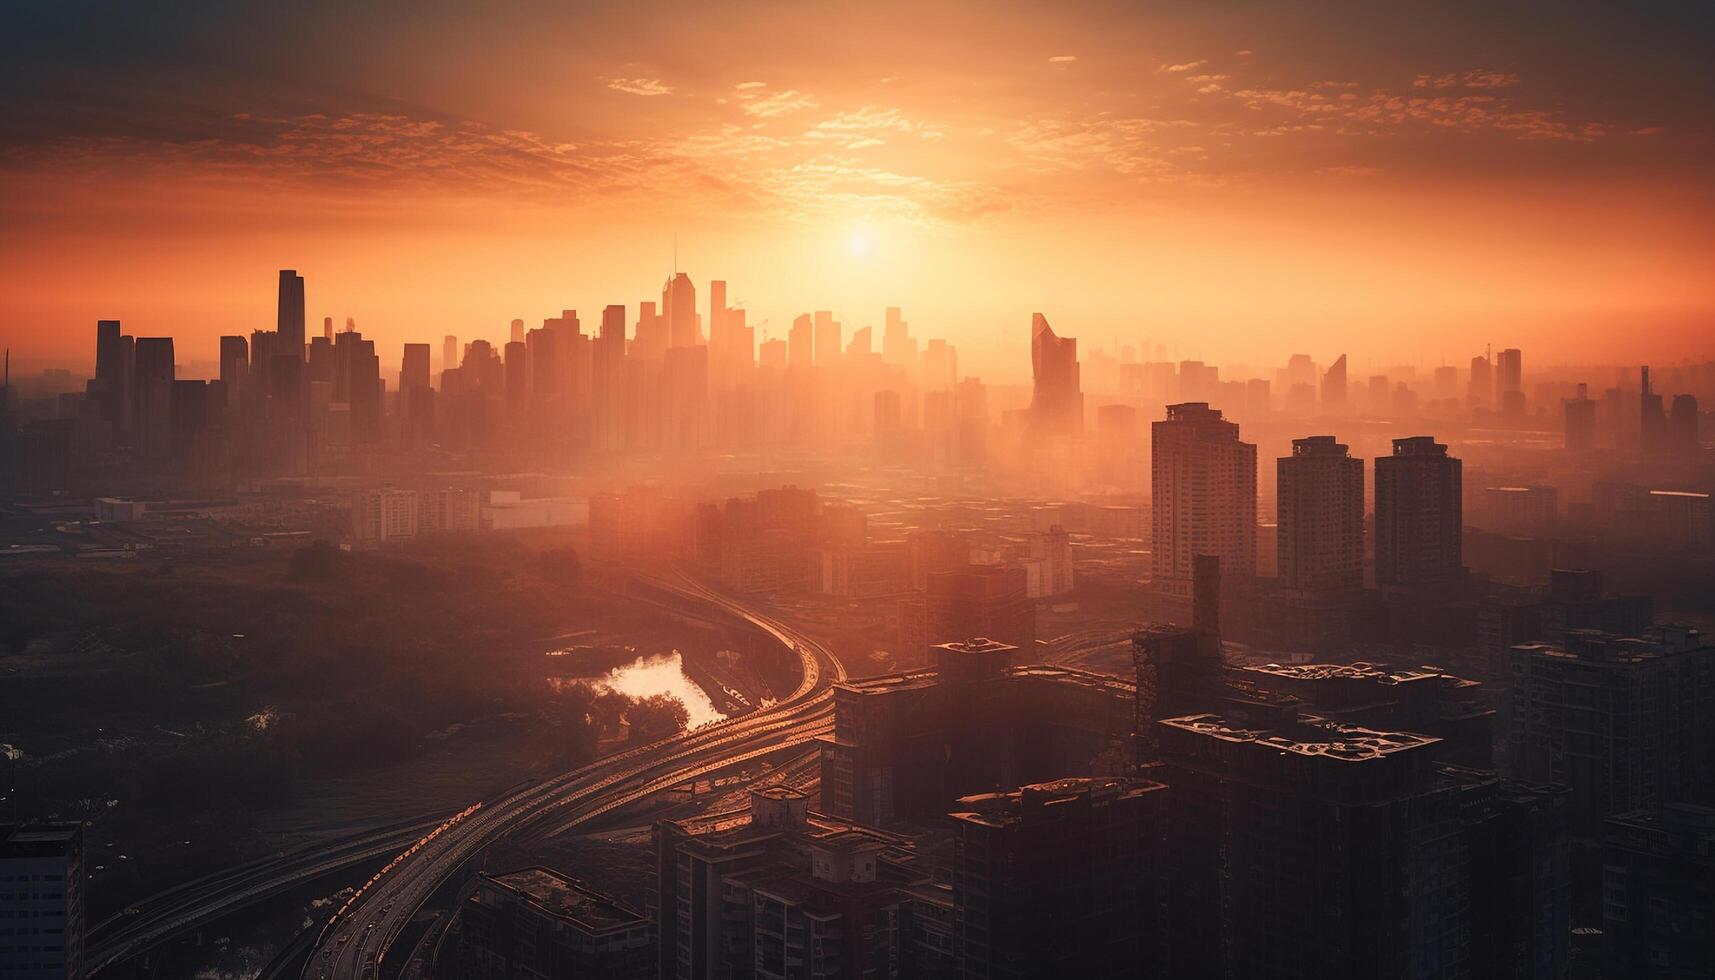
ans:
x=1236 y=181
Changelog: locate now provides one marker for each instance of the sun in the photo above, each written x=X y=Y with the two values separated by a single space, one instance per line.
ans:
x=860 y=243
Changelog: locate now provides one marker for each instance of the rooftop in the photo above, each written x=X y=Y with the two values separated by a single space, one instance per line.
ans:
x=569 y=899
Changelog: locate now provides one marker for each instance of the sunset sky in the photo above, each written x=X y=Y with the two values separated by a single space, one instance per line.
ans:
x=1236 y=180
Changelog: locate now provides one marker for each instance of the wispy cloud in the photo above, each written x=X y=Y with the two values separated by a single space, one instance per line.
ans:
x=775 y=103
x=1061 y=59
x=1467 y=79
x=1185 y=66
x=639 y=86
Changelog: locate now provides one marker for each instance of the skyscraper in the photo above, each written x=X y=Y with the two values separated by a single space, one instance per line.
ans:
x=289 y=323
x=1203 y=489
x=1580 y=421
x=679 y=308
x=1419 y=517
x=1652 y=419
x=827 y=339
x=1319 y=514
x=449 y=353
x=1057 y=399
x=414 y=368
x=1334 y=386
x=153 y=389
x=234 y=366
x=800 y=343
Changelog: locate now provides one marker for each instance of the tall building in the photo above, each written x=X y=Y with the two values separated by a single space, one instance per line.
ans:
x=1626 y=722
x=1060 y=879
x=1509 y=373
x=897 y=347
x=289 y=321
x=1657 y=906
x=234 y=366
x=1057 y=400
x=41 y=901
x=1319 y=517
x=1419 y=518
x=991 y=601
x=780 y=892
x=152 y=389
x=679 y=309
x=1479 y=389
x=1652 y=418
x=1683 y=437
x=1311 y=850
x=801 y=343
x=1334 y=386
x=414 y=368
x=1580 y=421
x=1203 y=490
x=538 y=923
x=828 y=342
x=906 y=746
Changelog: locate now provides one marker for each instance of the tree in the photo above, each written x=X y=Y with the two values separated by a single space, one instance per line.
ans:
x=318 y=561
x=563 y=566
x=656 y=716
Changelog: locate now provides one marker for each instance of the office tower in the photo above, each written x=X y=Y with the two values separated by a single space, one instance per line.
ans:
x=1060 y=879
x=1203 y=491
x=322 y=364
x=1656 y=902
x=289 y=323
x=778 y=892
x=1625 y=722
x=1652 y=419
x=717 y=312
x=1051 y=552
x=679 y=309
x=327 y=328
x=517 y=378
x=1334 y=386
x=1446 y=382
x=800 y=343
x=1419 y=518
x=1313 y=850
x=941 y=367
x=189 y=413
x=517 y=335
x=153 y=373
x=42 y=901
x=1479 y=390
x=1057 y=400
x=772 y=354
x=828 y=342
x=1580 y=421
x=897 y=346
x=1682 y=426
x=1319 y=516
x=449 y=353
x=538 y=923
x=234 y=366
x=860 y=346
x=414 y=368
x=111 y=387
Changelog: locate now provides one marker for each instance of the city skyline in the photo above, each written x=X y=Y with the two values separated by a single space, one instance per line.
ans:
x=1421 y=191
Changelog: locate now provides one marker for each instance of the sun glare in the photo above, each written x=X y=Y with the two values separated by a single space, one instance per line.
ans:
x=860 y=243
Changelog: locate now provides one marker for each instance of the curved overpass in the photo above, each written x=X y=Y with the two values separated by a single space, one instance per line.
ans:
x=358 y=937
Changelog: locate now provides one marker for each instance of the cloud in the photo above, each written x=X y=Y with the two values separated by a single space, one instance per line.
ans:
x=1468 y=79
x=1186 y=66
x=869 y=126
x=1062 y=58
x=777 y=103
x=742 y=86
x=639 y=86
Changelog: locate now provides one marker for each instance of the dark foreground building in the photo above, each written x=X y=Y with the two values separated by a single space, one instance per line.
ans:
x=537 y=923
x=41 y=901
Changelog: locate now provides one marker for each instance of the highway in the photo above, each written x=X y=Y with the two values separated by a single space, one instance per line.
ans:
x=186 y=907
x=358 y=937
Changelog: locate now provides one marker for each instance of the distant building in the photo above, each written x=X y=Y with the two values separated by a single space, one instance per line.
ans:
x=1579 y=421
x=382 y=516
x=1057 y=399
x=979 y=600
x=42 y=916
x=1053 y=548
x=1203 y=491
x=537 y=923
x=1320 y=518
x=1419 y=519
x=1060 y=879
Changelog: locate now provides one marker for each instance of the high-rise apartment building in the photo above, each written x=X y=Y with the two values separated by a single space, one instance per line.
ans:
x=1060 y=879
x=42 y=901
x=1419 y=518
x=1203 y=490
x=828 y=342
x=1657 y=906
x=1580 y=421
x=1334 y=387
x=1319 y=516
x=152 y=389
